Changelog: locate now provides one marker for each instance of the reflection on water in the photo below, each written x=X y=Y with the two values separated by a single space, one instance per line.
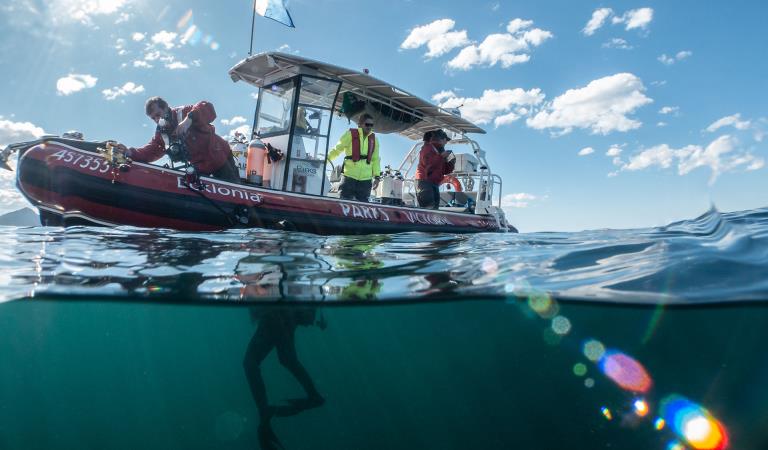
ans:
x=714 y=258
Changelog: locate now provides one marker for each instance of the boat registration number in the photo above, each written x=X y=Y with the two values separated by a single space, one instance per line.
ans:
x=92 y=163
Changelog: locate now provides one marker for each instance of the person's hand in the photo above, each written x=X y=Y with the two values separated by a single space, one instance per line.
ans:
x=376 y=181
x=121 y=148
x=446 y=154
x=183 y=127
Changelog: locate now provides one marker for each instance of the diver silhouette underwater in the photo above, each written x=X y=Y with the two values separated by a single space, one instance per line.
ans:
x=276 y=330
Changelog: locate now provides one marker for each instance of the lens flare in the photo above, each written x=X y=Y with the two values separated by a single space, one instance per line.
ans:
x=659 y=424
x=694 y=424
x=543 y=305
x=625 y=371
x=184 y=20
x=561 y=325
x=589 y=383
x=641 y=407
x=594 y=350
x=579 y=369
x=675 y=445
x=606 y=413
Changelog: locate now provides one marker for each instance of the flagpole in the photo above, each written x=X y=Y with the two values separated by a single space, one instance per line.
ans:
x=253 y=23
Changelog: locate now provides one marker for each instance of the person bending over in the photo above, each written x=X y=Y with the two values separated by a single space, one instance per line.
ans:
x=191 y=125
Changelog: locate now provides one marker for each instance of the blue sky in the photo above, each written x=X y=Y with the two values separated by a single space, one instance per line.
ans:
x=614 y=114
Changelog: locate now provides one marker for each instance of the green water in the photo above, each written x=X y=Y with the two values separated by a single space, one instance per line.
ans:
x=453 y=375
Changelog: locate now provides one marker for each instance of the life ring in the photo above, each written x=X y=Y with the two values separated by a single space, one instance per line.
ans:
x=453 y=181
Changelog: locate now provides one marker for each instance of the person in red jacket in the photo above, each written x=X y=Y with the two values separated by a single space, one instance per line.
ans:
x=434 y=163
x=205 y=150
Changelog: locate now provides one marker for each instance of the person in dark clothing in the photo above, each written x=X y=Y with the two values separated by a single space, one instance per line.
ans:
x=276 y=330
x=191 y=124
x=434 y=163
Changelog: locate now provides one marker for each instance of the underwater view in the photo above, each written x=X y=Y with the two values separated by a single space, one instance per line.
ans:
x=152 y=338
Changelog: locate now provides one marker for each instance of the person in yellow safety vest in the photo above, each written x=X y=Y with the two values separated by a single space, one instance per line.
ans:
x=361 y=160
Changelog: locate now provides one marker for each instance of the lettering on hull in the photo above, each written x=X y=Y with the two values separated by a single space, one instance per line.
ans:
x=225 y=191
x=364 y=212
x=427 y=218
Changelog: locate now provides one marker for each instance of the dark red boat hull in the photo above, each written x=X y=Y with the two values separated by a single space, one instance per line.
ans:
x=71 y=182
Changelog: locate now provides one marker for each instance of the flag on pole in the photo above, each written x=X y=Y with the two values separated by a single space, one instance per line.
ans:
x=275 y=10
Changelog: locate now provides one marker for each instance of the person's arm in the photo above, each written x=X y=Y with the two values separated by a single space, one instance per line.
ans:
x=450 y=163
x=345 y=142
x=375 y=160
x=198 y=115
x=153 y=151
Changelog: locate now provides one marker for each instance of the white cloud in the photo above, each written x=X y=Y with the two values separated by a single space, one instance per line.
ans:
x=615 y=150
x=505 y=49
x=138 y=36
x=83 y=11
x=586 y=151
x=666 y=59
x=176 y=65
x=74 y=82
x=757 y=164
x=492 y=105
x=506 y=119
x=516 y=25
x=442 y=95
x=669 y=60
x=234 y=121
x=661 y=124
x=596 y=22
x=518 y=200
x=142 y=64
x=730 y=121
x=10 y=131
x=720 y=156
x=635 y=18
x=437 y=36
x=245 y=130
x=669 y=110
x=618 y=43
x=164 y=38
x=127 y=89
x=602 y=106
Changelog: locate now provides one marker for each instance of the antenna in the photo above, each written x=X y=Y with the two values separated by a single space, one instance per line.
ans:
x=253 y=23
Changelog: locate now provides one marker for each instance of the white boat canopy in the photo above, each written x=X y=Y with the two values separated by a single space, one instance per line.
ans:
x=269 y=67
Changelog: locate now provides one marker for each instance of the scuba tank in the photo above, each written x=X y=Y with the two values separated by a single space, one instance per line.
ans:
x=255 y=161
x=239 y=147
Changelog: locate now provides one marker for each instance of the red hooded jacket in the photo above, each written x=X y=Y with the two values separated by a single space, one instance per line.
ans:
x=432 y=166
x=207 y=151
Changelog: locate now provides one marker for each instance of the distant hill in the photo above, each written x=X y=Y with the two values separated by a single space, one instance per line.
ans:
x=23 y=217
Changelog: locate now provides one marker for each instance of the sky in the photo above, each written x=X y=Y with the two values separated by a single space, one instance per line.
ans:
x=618 y=114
